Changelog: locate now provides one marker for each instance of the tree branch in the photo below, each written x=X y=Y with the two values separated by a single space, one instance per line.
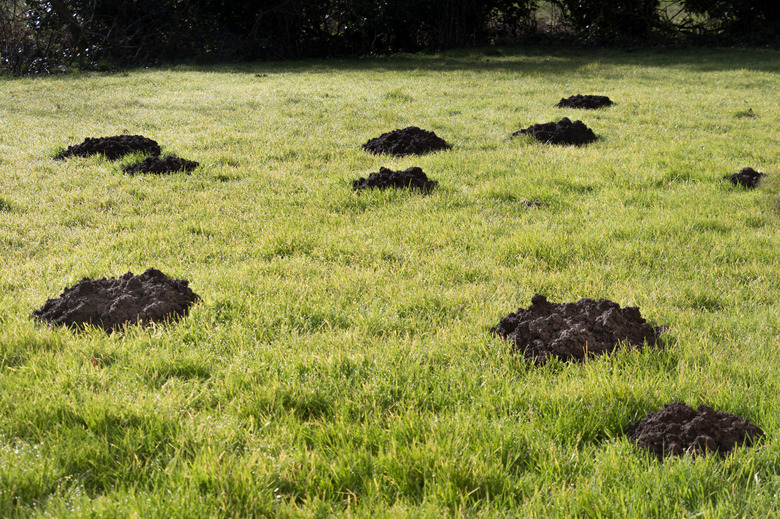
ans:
x=69 y=19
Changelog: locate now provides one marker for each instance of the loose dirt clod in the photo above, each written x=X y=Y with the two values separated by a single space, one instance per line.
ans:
x=161 y=165
x=588 y=102
x=562 y=132
x=747 y=177
x=112 y=147
x=574 y=331
x=110 y=302
x=407 y=141
x=679 y=428
x=411 y=178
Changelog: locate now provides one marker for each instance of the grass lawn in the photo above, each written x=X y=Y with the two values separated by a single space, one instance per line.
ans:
x=340 y=362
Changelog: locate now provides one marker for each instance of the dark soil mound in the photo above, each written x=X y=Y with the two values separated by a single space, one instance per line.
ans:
x=585 y=101
x=412 y=178
x=574 y=331
x=161 y=165
x=112 y=147
x=679 y=428
x=562 y=132
x=110 y=302
x=408 y=141
x=747 y=177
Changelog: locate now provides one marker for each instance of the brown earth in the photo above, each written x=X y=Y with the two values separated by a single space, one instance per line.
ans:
x=746 y=177
x=588 y=102
x=411 y=178
x=112 y=147
x=110 y=303
x=161 y=165
x=574 y=331
x=407 y=141
x=562 y=132
x=678 y=429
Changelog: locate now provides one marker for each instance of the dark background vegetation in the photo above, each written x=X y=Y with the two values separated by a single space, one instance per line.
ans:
x=49 y=35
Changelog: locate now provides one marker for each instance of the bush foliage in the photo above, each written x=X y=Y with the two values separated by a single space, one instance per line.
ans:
x=607 y=19
x=41 y=35
x=738 y=17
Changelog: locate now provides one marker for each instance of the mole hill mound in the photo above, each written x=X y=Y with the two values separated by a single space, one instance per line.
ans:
x=574 y=331
x=588 y=102
x=109 y=302
x=411 y=178
x=562 y=132
x=747 y=177
x=112 y=147
x=679 y=428
x=407 y=141
x=161 y=165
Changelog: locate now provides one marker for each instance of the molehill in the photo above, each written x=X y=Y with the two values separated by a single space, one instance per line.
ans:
x=110 y=302
x=407 y=141
x=588 y=102
x=112 y=147
x=562 y=132
x=746 y=177
x=161 y=165
x=411 y=178
x=678 y=429
x=574 y=331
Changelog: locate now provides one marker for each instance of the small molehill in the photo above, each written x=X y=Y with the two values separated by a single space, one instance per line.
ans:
x=112 y=147
x=588 y=102
x=746 y=177
x=110 y=302
x=562 y=132
x=406 y=141
x=161 y=165
x=410 y=178
x=678 y=429
x=574 y=331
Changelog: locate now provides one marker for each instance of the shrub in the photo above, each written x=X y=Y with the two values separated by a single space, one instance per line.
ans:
x=739 y=17
x=609 y=20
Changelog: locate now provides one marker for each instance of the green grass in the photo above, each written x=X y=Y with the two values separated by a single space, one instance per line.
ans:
x=340 y=362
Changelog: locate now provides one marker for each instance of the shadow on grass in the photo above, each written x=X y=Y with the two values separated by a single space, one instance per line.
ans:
x=519 y=59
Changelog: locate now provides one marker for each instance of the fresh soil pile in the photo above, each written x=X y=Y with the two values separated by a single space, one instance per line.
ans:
x=161 y=165
x=112 y=147
x=679 y=428
x=407 y=141
x=747 y=177
x=588 y=102
x=412 y=178
x=109 y=302
x=574 y=331
x=562 y=132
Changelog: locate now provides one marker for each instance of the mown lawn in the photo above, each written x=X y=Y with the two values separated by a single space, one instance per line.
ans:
x=340 y=362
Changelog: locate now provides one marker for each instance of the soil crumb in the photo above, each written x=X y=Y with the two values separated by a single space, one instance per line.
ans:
x=161 y=165
x=411 y=178
x=407 y=141
x=110 y=302
x=112 y=147
x=574 y=331
x=562 y=132
x=588 y=102
x=678 y=429
x=747 y=177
